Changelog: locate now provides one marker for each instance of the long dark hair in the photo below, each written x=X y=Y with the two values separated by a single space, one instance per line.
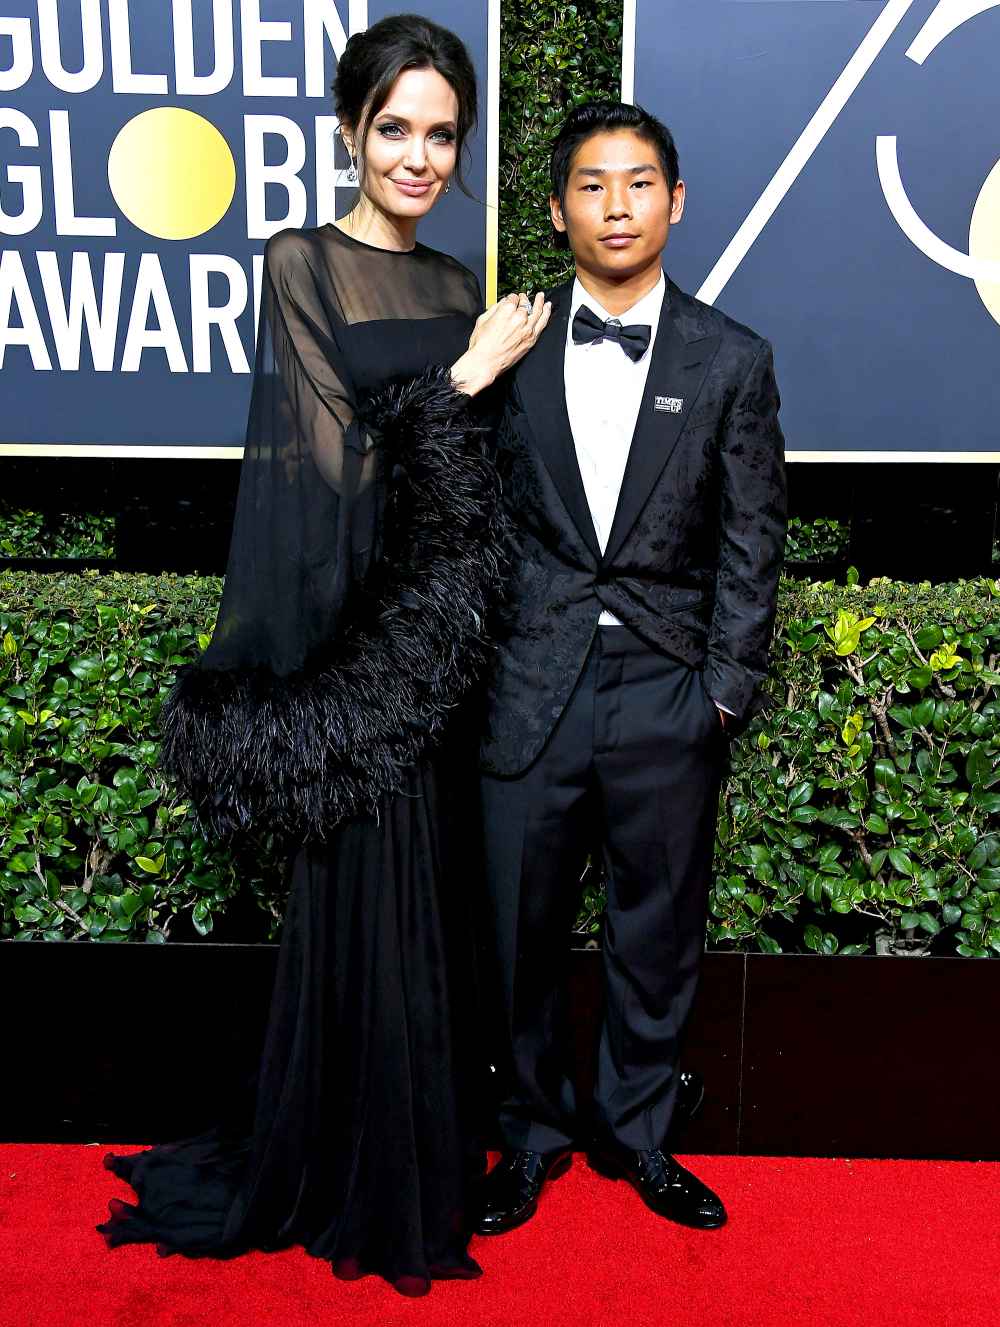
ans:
x=374 y=59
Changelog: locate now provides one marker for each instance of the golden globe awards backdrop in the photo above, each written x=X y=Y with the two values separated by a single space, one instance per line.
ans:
x=844 y=200
x=147 y=152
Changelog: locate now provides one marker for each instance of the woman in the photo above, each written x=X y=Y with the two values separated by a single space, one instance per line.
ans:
x=365 y=551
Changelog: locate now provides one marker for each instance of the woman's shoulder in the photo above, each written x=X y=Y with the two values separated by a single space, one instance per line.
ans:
x=302 y=260
x=462 y=275
x=291 y=245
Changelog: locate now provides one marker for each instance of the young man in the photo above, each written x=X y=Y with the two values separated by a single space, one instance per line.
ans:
x=644 y=473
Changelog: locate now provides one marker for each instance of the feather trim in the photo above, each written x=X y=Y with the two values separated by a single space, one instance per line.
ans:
x=296 y=755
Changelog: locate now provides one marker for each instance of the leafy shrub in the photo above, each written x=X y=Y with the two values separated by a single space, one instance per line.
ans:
x=554 y=56
x=93 y=843
x=862 y=810
x=861 y=806
x=819 y=540
x=33 y=534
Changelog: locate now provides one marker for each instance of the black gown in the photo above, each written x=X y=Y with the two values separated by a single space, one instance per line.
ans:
x=349 y=630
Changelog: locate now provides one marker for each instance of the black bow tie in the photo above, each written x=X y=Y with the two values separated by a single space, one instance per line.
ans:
x=588 y=327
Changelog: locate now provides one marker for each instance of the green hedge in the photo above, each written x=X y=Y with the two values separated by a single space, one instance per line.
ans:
x=553 y=56
x=861 y=814
x=863 y=811
x=33 y=534
x=94 y=844
x=822 y=539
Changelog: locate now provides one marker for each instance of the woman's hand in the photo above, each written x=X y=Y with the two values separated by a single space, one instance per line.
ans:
x=501 y=336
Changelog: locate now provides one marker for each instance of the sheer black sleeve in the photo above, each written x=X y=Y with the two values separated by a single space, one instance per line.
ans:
x=306 y=513
x=364 y=555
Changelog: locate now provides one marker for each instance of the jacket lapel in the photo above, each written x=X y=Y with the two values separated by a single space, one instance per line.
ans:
x=681 y=357
x=541 y=382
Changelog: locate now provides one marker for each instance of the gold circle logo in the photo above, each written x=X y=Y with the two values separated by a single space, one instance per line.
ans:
x=171 y=173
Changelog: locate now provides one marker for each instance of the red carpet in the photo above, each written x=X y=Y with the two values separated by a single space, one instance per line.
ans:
x=824 y=1243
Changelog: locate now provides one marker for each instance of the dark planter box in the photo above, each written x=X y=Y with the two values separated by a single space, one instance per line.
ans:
x=802 y=1056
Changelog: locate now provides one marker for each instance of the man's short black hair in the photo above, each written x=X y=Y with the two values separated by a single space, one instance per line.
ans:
x=600 y=117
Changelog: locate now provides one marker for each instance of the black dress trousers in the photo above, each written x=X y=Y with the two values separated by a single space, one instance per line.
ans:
x=633 y=770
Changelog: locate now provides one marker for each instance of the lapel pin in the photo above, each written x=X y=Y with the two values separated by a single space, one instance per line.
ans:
x=673 y=405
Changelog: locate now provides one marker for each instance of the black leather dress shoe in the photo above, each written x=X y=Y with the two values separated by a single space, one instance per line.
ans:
x=663 y=1185
x=509 y=1194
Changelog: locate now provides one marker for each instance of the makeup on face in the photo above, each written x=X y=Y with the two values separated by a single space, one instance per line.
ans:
x=411 y=145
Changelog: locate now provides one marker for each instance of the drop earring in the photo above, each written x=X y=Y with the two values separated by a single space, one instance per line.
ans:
x=352 y=171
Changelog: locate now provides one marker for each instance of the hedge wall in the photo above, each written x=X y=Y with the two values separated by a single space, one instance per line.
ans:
x=862 y=812
x=553 y=57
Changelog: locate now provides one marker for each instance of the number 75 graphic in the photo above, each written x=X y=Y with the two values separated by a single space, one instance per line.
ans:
x=947 y=16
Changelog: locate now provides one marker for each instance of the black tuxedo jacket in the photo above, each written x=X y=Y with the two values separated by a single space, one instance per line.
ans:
x=695 y=550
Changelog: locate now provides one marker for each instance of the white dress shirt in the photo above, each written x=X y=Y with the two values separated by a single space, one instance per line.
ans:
x=604 y=390
x=603 y=394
